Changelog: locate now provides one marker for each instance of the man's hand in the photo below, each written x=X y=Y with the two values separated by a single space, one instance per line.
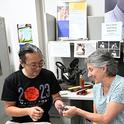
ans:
x=59 y=106
x=35 y=113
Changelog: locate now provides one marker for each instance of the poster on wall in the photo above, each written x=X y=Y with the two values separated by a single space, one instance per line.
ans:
x=24 y=33
x=114 y=47
x=72 y=20
x=114 y=12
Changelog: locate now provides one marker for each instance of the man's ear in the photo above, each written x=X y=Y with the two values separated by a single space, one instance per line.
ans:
x=22 y=63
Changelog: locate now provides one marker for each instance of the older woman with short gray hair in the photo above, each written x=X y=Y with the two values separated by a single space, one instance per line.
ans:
x=108 y=91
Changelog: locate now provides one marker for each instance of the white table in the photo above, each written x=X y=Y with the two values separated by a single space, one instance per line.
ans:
x=73 y=95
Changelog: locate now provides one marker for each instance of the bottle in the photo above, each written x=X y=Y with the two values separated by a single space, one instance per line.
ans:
x=82 y=81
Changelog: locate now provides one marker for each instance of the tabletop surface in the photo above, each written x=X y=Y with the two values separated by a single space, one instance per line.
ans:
x=73 y=95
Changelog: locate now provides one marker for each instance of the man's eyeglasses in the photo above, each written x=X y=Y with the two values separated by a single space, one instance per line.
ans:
x=36 y=65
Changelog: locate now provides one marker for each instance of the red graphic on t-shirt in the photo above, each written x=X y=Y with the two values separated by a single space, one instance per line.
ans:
x=31 y=93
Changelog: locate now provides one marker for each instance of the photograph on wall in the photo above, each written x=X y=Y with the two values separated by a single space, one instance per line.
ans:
x=0 y=69
x=115 y=53
x=72 y=20
x=24 y=33
x=63 y=20
x=80 y=49
x=114 y=12
x=114 y=47
x=63 y=11
x=102 y=44
x=84 y=49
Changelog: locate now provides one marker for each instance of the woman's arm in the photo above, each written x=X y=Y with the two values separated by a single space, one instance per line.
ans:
x=94 y=110
x=112 y=110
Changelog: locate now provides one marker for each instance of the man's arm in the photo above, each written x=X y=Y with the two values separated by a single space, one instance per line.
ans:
x=57 y=100
x=34 y=112
x=56 y=97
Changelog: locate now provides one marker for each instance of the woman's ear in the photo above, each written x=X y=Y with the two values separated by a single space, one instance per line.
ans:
x=104 y=68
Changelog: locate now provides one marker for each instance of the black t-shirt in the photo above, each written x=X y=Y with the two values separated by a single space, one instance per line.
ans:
x=31 y=92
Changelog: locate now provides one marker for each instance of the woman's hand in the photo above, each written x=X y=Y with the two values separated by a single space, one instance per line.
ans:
x=70 y=111
x=35 y=113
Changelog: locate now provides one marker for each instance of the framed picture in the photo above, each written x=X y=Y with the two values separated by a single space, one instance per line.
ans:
x=24 y=33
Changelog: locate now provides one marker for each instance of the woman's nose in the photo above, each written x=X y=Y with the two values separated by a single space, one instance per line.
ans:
x=89 y=75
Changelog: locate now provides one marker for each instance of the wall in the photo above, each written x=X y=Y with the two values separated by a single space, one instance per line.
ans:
x=18 y=12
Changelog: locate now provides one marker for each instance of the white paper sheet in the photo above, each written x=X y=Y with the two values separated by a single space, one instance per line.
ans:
x=112 y=31
x=59 y=49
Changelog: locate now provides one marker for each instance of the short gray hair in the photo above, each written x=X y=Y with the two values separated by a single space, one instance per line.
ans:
x=101 y=58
